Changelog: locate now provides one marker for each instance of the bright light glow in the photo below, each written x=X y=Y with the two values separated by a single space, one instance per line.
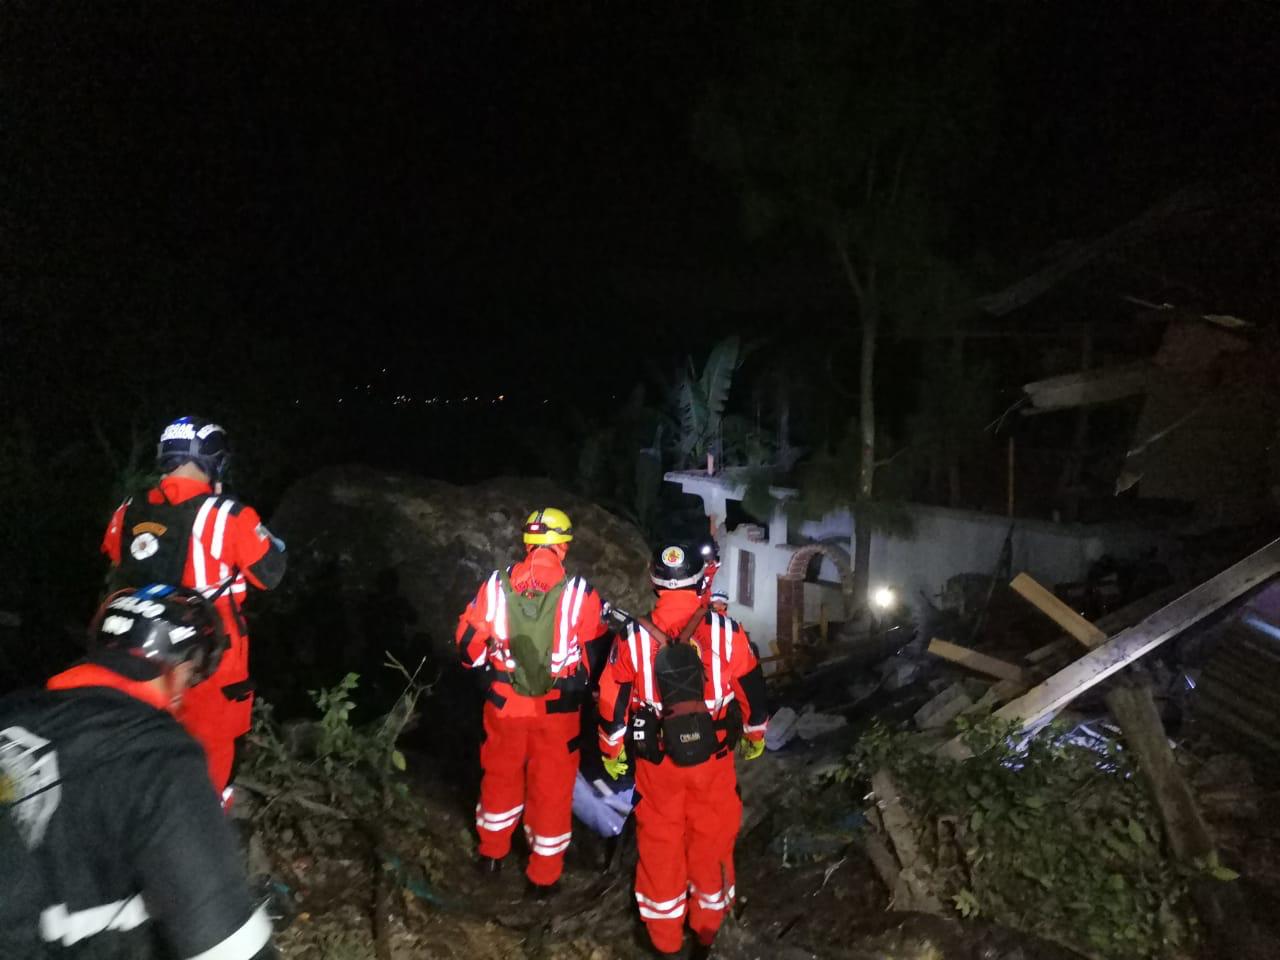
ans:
x=884 y=598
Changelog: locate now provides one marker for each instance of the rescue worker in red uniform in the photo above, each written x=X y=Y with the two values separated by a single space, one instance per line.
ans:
x=681 y=688
x=184 y=531
x=525 y=632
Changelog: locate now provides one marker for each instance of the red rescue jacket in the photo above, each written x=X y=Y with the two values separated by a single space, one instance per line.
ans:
x=482 y=630
x=729 y=661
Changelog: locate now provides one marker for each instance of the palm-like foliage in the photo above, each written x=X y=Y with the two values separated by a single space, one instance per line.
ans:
x=701 y=401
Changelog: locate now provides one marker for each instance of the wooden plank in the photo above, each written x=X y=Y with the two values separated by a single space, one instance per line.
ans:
x=898 y=822
x=1000 y=693
x=1088 y=387
x=1057 y=611
x=1135 y=711
x=913 y=889
x=1115 y=621
x=1131 y=613
x=943 y=708
x=973 y=660
x=1137 y=641
x=1220 y=905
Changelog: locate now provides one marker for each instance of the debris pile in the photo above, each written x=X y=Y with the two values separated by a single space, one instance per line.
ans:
x=1097 y=821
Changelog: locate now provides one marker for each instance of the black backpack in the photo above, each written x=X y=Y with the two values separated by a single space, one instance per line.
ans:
x=688 y=731
x=153 y=541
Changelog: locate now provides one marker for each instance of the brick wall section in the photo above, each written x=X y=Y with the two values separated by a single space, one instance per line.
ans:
x=801 y=559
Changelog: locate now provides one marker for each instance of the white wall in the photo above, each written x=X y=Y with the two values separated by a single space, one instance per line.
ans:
x=760 y=619
x=946 y=542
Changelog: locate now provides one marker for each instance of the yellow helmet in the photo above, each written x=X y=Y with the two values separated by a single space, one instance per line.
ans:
x=546 y=526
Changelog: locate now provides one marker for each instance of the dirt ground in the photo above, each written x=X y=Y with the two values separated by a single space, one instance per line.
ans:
x=805 y=888
x=793 y=901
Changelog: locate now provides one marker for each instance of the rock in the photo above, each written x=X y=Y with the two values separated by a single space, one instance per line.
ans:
x=898 y=672
x=781 y=729
x=386 y=561
x=862 y=690
x=813 y=724
x=944 y=708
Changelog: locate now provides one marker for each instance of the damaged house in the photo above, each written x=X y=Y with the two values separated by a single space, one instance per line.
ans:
x=785 y=576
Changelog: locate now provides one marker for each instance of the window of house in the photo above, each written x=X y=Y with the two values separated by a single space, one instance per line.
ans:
x=746 y=578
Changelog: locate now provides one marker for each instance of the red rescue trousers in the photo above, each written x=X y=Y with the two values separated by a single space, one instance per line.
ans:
x=529 y=764
x=215 y=721
x=687 y=820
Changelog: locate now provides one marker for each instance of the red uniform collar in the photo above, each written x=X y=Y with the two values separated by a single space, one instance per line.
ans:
x=96 y=675
x=178 y=489
x=674 y=610
x=540 y=570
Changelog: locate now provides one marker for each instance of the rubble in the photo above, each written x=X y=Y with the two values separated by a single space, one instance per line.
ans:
x=943 y=708
x=785 y=725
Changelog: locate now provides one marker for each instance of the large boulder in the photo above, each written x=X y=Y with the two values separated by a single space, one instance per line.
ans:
x=381 y=560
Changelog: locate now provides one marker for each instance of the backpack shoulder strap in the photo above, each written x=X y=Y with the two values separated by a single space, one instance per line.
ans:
x=650 y=628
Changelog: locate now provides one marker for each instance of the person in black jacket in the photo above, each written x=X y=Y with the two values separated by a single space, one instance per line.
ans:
x=124 y=836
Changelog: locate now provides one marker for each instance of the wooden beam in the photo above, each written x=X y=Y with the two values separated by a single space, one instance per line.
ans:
x=973 y=660
x=1135 y=710
x=1221 y=905
x=1131 y=613
x=1057 y=611
x=1129 y=645
x=1115 y=621
x=1088 y=387
x=997 y=695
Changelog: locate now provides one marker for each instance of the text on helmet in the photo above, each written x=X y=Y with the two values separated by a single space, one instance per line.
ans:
x=116 y=625
x=147 y=608
x=178 y=431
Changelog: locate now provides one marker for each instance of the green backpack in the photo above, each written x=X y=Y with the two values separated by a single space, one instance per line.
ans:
x=531 y=627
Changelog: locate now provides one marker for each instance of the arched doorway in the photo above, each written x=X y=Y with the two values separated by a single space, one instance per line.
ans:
x=804 y=567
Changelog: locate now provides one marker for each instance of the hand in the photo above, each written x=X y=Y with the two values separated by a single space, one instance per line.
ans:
x=750 y=749
x=617 y=766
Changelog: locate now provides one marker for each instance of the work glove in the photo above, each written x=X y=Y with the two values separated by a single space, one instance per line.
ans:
x=617 y=766
x=750 y=749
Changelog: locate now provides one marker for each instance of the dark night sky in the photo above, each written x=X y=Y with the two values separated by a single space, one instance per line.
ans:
x=298 y=196
x=207 y=208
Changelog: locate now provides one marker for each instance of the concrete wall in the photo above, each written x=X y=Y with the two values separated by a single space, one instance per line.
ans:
x=946 y=543
x=771 y=560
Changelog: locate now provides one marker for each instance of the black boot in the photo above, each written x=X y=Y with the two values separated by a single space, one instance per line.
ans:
x=699 y=951
x=489 y=866
x=642 y=940
x=540 y=893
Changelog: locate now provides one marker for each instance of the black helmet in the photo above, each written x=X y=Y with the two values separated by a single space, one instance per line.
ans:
x=194 y=440
x=676 y=566
x=163 y=624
